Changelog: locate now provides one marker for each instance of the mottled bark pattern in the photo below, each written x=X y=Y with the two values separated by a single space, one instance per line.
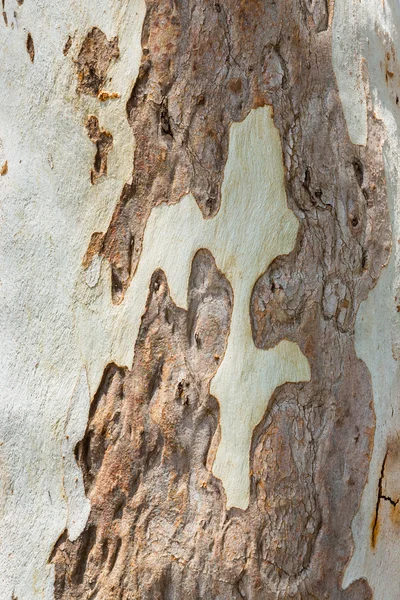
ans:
x=93 y=61
x=158 y=527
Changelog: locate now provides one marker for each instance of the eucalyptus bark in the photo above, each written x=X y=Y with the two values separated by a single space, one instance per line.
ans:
x=159 y=527
x=172 y=515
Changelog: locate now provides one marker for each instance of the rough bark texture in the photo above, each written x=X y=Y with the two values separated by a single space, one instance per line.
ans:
x=158 y=527
x=93 y=61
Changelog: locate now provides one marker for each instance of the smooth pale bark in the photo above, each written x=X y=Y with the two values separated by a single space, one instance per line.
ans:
x=186 y=413
x=366 y=48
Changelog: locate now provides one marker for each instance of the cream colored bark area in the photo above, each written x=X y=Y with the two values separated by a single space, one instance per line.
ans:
x=252 y=227
x=348 y=66
x=49 y=209
x=372 y=34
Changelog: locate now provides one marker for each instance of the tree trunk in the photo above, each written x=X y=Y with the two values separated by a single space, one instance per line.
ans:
x=200 y=300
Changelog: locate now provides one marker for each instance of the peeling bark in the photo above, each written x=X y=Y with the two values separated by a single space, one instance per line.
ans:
x=159 y=526
x=94 y=60
x=104 y=142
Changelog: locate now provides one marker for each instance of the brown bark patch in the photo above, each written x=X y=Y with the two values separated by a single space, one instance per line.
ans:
x=104 y=142
x=67 y=45
x=93 y=61
x=95 y=247
x=103 y=95
x=4 y=169
x=30 y=47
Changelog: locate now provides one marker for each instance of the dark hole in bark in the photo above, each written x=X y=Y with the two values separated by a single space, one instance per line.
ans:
x=30 y=47
x=364 y=259
x=89 y=539
x=198 y=340
x=358 y=171
x=116 y=284
x=97 y=158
